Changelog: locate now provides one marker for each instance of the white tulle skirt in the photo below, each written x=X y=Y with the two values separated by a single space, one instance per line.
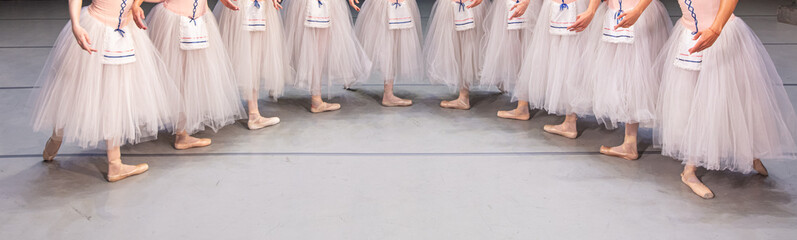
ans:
x=626 y=84
x=259 y=58
x=552 y=75
x=733 y=110
x=333 y=54
x=205 y=77
x=503 y=49
x=92 y=102
x=453 y=57
x=396 y=53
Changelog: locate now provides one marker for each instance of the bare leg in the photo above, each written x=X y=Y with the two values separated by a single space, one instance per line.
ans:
x=256 y=121
x=689 y=178
x=628 y=149
x=390 y=100
x=52 y=146
x=759 y=167
x=184 y=141
x=461 y=103
x=116 y=169
x=566 y=129
x=519 y=113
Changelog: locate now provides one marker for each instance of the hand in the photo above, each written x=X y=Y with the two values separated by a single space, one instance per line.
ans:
x=628 y=18
x=519 y=8
x=582 y=21
x=138 y=17
x=277 y=4
x=82 y=38
x=707 y=38
x=356 y=8
x=475 y=3
x=229 y=4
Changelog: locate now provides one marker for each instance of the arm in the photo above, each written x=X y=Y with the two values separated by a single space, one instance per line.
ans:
x=229 y=4
x=351 y=3
x=630 y=17
x=520 y=8
x=583 y=19
x=475 y=3
x=709 y=36
x=81 y=35
x=138 y=14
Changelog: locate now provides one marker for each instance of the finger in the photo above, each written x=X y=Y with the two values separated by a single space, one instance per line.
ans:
x=695 y=48
x=88 y=39
x=622 y=15
x=621 y=24
x=357 y=1
x=697 y=36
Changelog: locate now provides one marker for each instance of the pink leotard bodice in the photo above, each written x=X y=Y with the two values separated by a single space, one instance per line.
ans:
x=186 y=7
x=627 y=4
x=107 y=11
x=706 y=11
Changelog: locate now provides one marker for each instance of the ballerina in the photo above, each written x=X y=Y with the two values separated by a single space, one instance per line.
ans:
x=625 y=84
x=253 y=36
x=390 y=33
x=452 y=46
x=117 y=92
x=323 y=46
x=186 y=34
x=509 y=28
x=552 y=74
x=722 y=105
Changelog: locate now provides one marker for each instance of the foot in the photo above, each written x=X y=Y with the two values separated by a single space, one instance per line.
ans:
x=51 y=149
x=119 y=171
x=561 y=130
x=696 y=185
x=455 y=104
x=514 y=114
x=759 y=167
x=394 y=101
x=187 y=142
x=261 y=122
x=501 y=88
x=623 y=151
x=324 y=107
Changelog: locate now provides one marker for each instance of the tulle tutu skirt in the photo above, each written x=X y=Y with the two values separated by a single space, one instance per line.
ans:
x=329 y=54
x=453 y=57
x=733 y=110
x=626 y=84
x=259 y=58
x=552 y=75
x=396 y=53
x=503 y=49
x=93 y=102
x=205 y=77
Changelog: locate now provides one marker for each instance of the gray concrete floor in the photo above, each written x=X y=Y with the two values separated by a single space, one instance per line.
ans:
x=368 y=172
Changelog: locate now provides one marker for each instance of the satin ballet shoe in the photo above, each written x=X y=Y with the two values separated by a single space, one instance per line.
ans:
x=609 y=151
x=126 y=171
x=455 y=104
x=398 y=102
x=555 y=130
x=325 y=107
x=262 y=122
x=50 y=150
x=759 y=167
x=199 y=142
x=513 y=115
x=697 y=187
